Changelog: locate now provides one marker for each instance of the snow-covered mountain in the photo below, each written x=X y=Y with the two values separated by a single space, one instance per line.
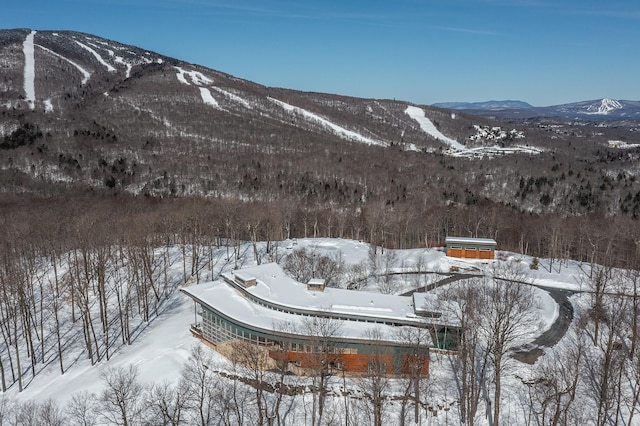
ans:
x=606 y=106
x=84 y=91
x=82 y=113
x=63 y=74
x=598 y=109
x=488 y=105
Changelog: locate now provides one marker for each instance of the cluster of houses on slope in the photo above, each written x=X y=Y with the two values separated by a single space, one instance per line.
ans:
x=494 y=134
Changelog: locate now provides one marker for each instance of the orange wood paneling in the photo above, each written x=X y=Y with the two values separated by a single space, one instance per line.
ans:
x=470 y=254
x=353 y=363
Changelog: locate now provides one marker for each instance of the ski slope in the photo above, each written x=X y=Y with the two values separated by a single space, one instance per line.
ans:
x=29 y=70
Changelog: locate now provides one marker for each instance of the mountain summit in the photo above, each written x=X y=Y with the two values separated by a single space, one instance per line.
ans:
x=606 y=106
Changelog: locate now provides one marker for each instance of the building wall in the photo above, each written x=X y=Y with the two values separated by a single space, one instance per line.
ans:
x=307 y=352
x=471 y=252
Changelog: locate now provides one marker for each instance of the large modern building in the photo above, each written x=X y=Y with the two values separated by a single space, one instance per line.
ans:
x=304 y=325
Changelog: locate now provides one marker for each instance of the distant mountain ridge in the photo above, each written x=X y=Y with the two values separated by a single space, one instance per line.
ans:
x=597 y=109
x=487 y=105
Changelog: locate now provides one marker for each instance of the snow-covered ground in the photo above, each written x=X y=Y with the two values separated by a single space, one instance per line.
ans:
x=162 y=346
x=48 y=106
x=159 y=352
x=207 y=98
x=189 y=77
x=233 y=97
x=622 y=144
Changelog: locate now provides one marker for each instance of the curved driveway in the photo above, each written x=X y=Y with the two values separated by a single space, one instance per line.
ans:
x=530 y=352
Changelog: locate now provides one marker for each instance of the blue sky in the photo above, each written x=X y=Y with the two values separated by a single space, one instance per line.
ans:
x=544 y=52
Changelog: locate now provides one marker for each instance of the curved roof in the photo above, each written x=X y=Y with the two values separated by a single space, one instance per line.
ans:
x=278 y=302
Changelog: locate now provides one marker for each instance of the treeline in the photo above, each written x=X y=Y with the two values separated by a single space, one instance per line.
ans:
x=67 y=223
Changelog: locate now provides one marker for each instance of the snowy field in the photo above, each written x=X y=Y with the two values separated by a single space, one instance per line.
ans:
x=162 y=346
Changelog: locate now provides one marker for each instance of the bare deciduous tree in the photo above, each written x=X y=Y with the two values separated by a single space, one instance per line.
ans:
x=82 y=409
x=120 y=401
x=509 y=313
x=375 y=383
x=322 y=331
x=200 y=382
x=167 y=403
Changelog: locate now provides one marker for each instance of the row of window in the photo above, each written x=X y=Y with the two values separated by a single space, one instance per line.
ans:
x=330 y=349
x=469 y=248
x=219 y=331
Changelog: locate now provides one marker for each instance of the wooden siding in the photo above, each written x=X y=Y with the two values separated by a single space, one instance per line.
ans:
x=470 y=253
x=355 y=363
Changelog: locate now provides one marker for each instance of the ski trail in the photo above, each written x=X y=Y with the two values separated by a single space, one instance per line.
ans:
x=109 y=67
x=207 y=98
x=29 y=70
x=338 y=130
x=120 y=60
x=427 y=126
x=196 y=77
x=85 y=74
x=233 y=97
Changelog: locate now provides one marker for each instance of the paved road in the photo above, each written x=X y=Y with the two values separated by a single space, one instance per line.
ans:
x=531 y=352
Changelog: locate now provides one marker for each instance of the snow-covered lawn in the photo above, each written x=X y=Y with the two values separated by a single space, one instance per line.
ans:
x=159 y=352
x=162 y=346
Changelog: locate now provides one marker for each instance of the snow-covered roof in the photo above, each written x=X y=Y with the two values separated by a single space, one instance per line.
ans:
x=430 y=306
x=466 y=240
x=278 y=299
x=274 y=285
